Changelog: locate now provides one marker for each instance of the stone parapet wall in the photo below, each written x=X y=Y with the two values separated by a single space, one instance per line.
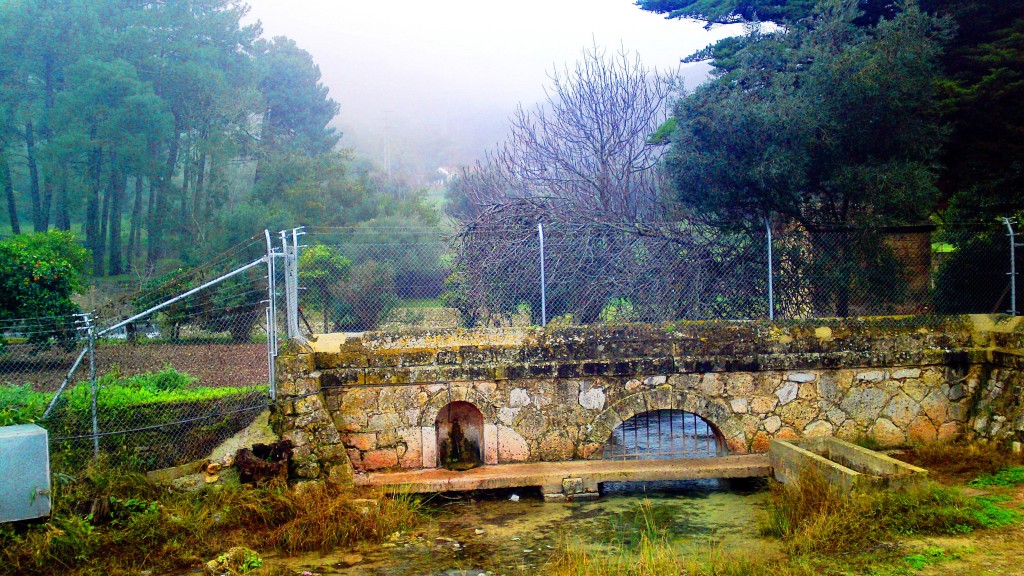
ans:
x=372 y=402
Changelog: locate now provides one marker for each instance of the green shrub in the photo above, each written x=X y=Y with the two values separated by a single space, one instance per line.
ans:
x=21 y=404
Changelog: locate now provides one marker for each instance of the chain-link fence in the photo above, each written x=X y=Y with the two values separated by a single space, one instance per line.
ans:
x=525 y=273
x=159 y=377
x=164 y=375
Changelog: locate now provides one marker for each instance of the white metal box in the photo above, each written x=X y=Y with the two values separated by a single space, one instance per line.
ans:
x=24 y=473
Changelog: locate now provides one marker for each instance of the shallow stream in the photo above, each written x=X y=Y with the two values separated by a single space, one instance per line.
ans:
x=514 y=532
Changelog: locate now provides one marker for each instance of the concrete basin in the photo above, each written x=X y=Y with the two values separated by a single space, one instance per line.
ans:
x=850 y=468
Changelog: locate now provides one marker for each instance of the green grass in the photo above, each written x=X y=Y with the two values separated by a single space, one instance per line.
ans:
x=1013 y=476
x=23 y=405
x=812 y=517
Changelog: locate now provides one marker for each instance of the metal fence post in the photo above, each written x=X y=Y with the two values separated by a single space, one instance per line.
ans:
x=1013 y=264
x=271 y=319
x=291 y=283
x=771 y=276
x=93 y=388
x=543 y=286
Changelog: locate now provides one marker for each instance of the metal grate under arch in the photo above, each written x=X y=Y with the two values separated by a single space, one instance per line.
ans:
x=663 y=434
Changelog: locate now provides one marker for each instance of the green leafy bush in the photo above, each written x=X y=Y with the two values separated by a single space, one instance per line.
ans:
x=21 y=404
x=39 y=273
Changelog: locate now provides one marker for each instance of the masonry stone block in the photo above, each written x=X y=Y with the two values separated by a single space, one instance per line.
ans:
x=512 y=447
x=886 y=433
x=377 y=459
x=739 y=405
x=712 y=385
x=787 y=393
x=921 y=430
x=818 y=428
x=905 y=373
x=490 y=444
x=592 y=398
x=360 y=441
x=519 y=397
x=864 y=404
x=901 y=410
x=871 y=376
x=383 y=422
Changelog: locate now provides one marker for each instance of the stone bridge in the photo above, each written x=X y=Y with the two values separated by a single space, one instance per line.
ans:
x=380 y=401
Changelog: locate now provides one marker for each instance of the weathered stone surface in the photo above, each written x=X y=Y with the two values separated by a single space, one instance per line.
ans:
x=739 y=405
x=886 y=433
x=801 y=377
x=948 y=431
x=906 y=373
x=864 y=404
x=360 y=441
x=518 y=397
x=871 y=376
x=555 y=446
x=740 y=385
x=764 y=404
x=902 y=410
x=772 y=424
x=507 y=415
x=818 y=428
x=388 y=421
x=712 y=385
x=377 y=459
x=935 y=407
x=788 y=393
x=922 y=431
x=512 y=447
x=798 y=414
x=592 y=399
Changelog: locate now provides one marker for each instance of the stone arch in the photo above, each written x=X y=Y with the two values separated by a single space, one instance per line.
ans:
x=664 y=433
x=720 y=418
x=458 y=393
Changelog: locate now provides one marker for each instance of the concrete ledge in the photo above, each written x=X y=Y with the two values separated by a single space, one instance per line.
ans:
x=851 y=468
x=572 y=479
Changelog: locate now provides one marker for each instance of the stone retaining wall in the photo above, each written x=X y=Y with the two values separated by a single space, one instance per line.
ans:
x=370 y=403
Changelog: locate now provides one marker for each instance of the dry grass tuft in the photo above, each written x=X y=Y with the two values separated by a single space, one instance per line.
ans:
x=145 y=528
x=963 y=460
x=327 y=517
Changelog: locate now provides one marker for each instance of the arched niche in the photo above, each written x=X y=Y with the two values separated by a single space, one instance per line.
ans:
x=460 y=436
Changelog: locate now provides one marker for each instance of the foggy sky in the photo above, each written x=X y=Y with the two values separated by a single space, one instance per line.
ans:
x=444 y=76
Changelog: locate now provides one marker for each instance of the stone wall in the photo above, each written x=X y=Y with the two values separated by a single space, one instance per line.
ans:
x=372 y=402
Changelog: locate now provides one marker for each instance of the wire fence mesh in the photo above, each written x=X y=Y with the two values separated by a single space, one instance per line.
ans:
x=415 y=278
x=194 y=365
x=190 y=369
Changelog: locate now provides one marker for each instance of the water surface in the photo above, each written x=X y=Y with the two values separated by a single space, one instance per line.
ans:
x=492 y=534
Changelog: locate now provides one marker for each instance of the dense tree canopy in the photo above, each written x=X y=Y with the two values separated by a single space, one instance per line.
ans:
x=980 y=167
x=164 y=132
x=826 y=122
